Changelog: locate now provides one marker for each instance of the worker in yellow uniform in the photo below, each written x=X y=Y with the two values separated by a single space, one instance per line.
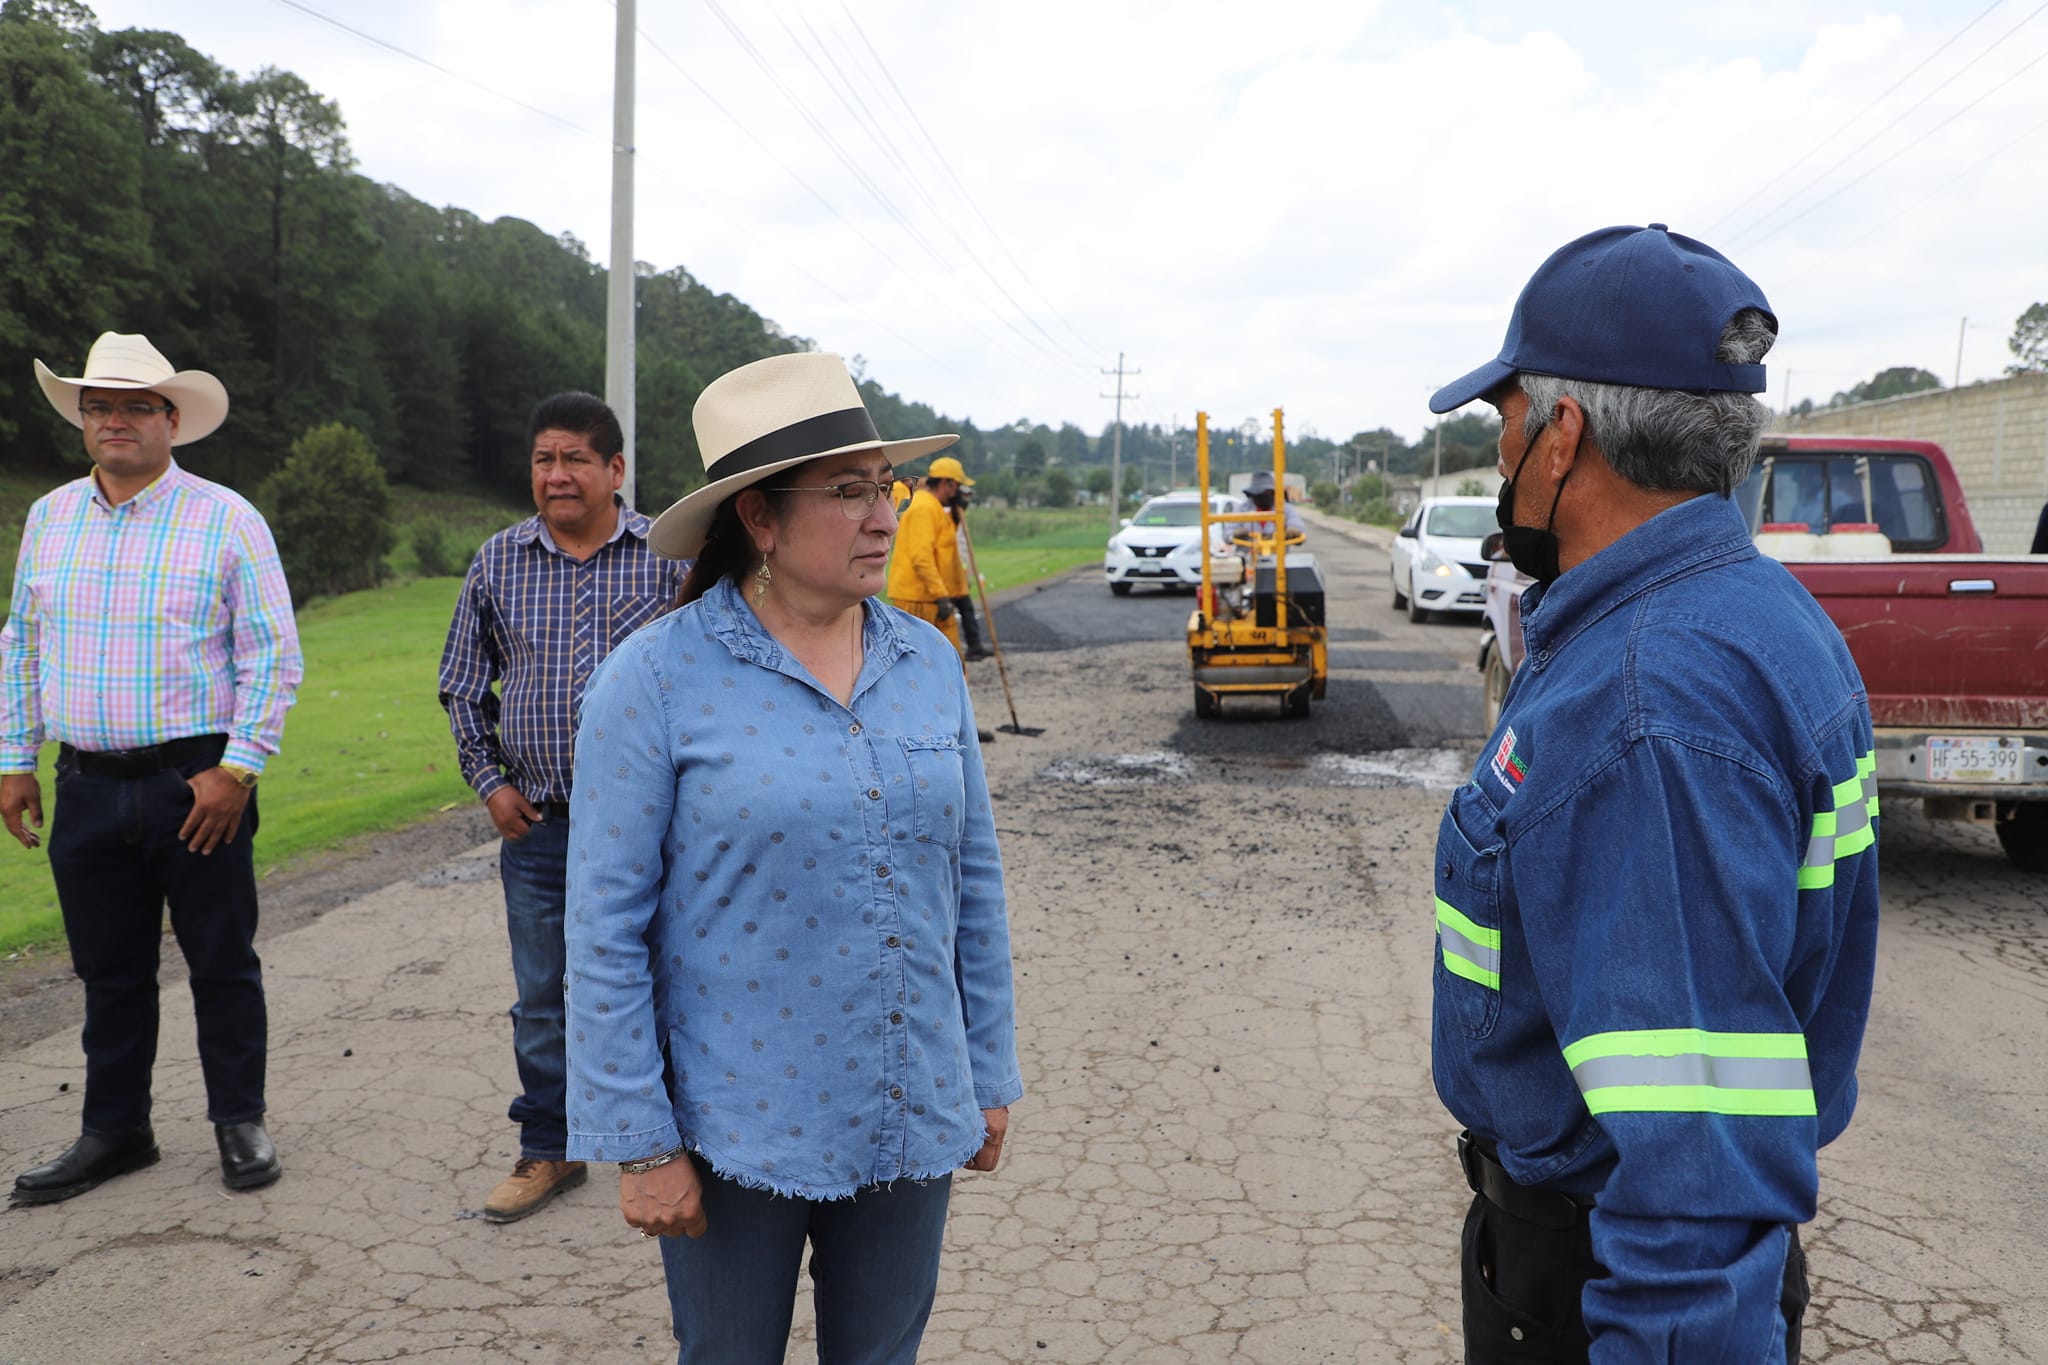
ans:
x=925 y=568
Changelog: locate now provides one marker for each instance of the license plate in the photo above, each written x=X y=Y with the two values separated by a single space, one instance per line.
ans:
x=1975 y=758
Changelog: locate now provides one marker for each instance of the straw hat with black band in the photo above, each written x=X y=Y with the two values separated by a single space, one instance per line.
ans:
x=121 y=360
x=766 y=417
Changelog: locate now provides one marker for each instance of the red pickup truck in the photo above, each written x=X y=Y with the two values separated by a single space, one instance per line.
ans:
x=1952 y=644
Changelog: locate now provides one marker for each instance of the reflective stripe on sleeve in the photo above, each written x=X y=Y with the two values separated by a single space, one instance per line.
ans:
x=1847 y=829
x=1691 y=1071
x=1471 y=950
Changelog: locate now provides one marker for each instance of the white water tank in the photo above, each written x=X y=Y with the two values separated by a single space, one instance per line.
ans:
x=1855 y=540
x=1787 y=540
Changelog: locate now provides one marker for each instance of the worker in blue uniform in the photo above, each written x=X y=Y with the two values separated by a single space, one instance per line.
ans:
x=1656 y=899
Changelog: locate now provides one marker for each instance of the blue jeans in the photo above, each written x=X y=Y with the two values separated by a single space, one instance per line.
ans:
x=535 y=869
x=874 y=1271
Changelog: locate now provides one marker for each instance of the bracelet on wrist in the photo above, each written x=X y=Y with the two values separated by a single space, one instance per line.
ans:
x=642 y=1167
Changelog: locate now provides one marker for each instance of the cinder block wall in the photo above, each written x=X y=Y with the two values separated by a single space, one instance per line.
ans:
x=1995 y=433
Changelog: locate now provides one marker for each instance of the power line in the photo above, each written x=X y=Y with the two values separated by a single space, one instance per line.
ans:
x=904 y=100
x=1853 y=118
x=552 y=117
x=1968 y=170
x=1902 y=116
x=852 y=166
x=330 y=20
x=849 y=96
x=834 y=210
x=1844 y=189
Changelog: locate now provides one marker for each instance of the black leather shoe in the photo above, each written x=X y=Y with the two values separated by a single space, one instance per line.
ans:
x=248 y=1158
x=979 y=653
x=92 y=1160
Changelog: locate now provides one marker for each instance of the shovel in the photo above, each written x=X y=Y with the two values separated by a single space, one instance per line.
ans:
x=988 y=619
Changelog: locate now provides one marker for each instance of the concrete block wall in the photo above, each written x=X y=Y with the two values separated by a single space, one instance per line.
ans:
x=1995 y=433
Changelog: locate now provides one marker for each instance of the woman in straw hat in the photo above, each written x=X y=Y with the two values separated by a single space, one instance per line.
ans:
x=790 y=1012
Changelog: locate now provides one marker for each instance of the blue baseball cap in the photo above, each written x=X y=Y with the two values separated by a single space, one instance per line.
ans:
x=1624 y=305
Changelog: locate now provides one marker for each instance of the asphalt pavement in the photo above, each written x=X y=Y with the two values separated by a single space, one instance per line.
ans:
x=1230 y=1149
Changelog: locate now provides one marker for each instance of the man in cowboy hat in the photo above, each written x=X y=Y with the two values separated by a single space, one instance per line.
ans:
x=151 y=634
x=926 y=566
x=545 y=601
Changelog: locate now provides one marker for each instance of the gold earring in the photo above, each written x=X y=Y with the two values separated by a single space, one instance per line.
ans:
x=761 y=580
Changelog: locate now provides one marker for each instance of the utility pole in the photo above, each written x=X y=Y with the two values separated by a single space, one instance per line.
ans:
x=1173 y=451
x=1116 y=445
x=619 y=284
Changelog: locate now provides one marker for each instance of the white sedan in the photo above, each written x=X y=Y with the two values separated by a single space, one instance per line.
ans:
x=1162 y=542
x=1435 y=564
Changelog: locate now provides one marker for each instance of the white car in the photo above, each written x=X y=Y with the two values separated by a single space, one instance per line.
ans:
x=1435 y=564
x=1162 y=542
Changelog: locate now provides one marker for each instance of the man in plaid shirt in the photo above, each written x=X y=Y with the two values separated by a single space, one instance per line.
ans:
x=545 y=601
x=151 y=633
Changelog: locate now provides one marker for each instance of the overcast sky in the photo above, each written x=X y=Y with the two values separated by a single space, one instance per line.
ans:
x=1327 y=207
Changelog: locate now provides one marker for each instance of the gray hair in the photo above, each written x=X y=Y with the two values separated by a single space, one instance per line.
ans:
x=1669 y=438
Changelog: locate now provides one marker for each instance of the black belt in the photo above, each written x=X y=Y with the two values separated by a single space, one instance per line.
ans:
x=552 y=810
x=155 y=758
x=1545 y=1208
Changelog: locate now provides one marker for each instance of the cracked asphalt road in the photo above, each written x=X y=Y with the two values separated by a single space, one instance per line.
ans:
x=1230 y=1150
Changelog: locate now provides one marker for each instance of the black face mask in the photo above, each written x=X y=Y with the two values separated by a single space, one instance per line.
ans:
x=1531 y=550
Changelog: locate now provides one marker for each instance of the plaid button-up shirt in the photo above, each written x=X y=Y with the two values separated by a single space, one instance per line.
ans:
x=537 y=623
x=160 y=618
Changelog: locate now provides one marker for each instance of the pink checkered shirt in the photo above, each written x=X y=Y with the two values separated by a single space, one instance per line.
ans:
x=164 y=617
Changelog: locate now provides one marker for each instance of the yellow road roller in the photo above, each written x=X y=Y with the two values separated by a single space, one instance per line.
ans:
x=1258 y=626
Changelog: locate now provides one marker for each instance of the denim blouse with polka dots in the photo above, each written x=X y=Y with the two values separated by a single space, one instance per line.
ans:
x=787 y=942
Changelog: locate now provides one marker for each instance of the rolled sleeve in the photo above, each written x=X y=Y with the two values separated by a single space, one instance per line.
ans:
x=625 y=780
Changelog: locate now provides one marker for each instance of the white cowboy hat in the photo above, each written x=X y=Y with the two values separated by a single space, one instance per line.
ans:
x=765 y=417
x=120 y=360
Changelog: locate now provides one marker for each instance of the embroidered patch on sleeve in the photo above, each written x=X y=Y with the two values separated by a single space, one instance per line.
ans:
x=1508 y=765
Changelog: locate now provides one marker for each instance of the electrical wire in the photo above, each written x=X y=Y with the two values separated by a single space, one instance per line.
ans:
x=372 y=38
x=1041 y=353
x=1945 y=185
x=1853 y=118
x=931 y=142
x=848 y=93
x=1901 y=117
x=572 y=126
x=1845 y=188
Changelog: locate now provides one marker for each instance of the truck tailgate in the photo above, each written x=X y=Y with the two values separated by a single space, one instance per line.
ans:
x=1943 y=640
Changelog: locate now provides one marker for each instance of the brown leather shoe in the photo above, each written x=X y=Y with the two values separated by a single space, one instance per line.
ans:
x=531 y=1184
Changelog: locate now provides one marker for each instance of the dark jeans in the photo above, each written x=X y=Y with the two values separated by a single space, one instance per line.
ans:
x=1523 y=1288
x=117 y=859
x=535 y=871
x=874 y=1272
x=970 y=624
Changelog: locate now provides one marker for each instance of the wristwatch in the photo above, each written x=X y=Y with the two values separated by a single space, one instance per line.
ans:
x=245 y=778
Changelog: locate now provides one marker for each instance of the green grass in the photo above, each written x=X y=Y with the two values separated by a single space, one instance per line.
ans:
x=366 y=748
x=1016 y=546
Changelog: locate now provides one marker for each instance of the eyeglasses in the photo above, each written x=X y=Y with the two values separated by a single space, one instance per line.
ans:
x=856 y=498
x=131 y=409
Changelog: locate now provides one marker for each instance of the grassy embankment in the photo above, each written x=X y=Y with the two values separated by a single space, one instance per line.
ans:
x=367 y=748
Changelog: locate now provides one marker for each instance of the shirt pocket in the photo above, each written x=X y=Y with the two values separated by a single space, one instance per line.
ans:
x=629 y=614
x=184 y=604
x=938 y=786
x=1468 y=915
